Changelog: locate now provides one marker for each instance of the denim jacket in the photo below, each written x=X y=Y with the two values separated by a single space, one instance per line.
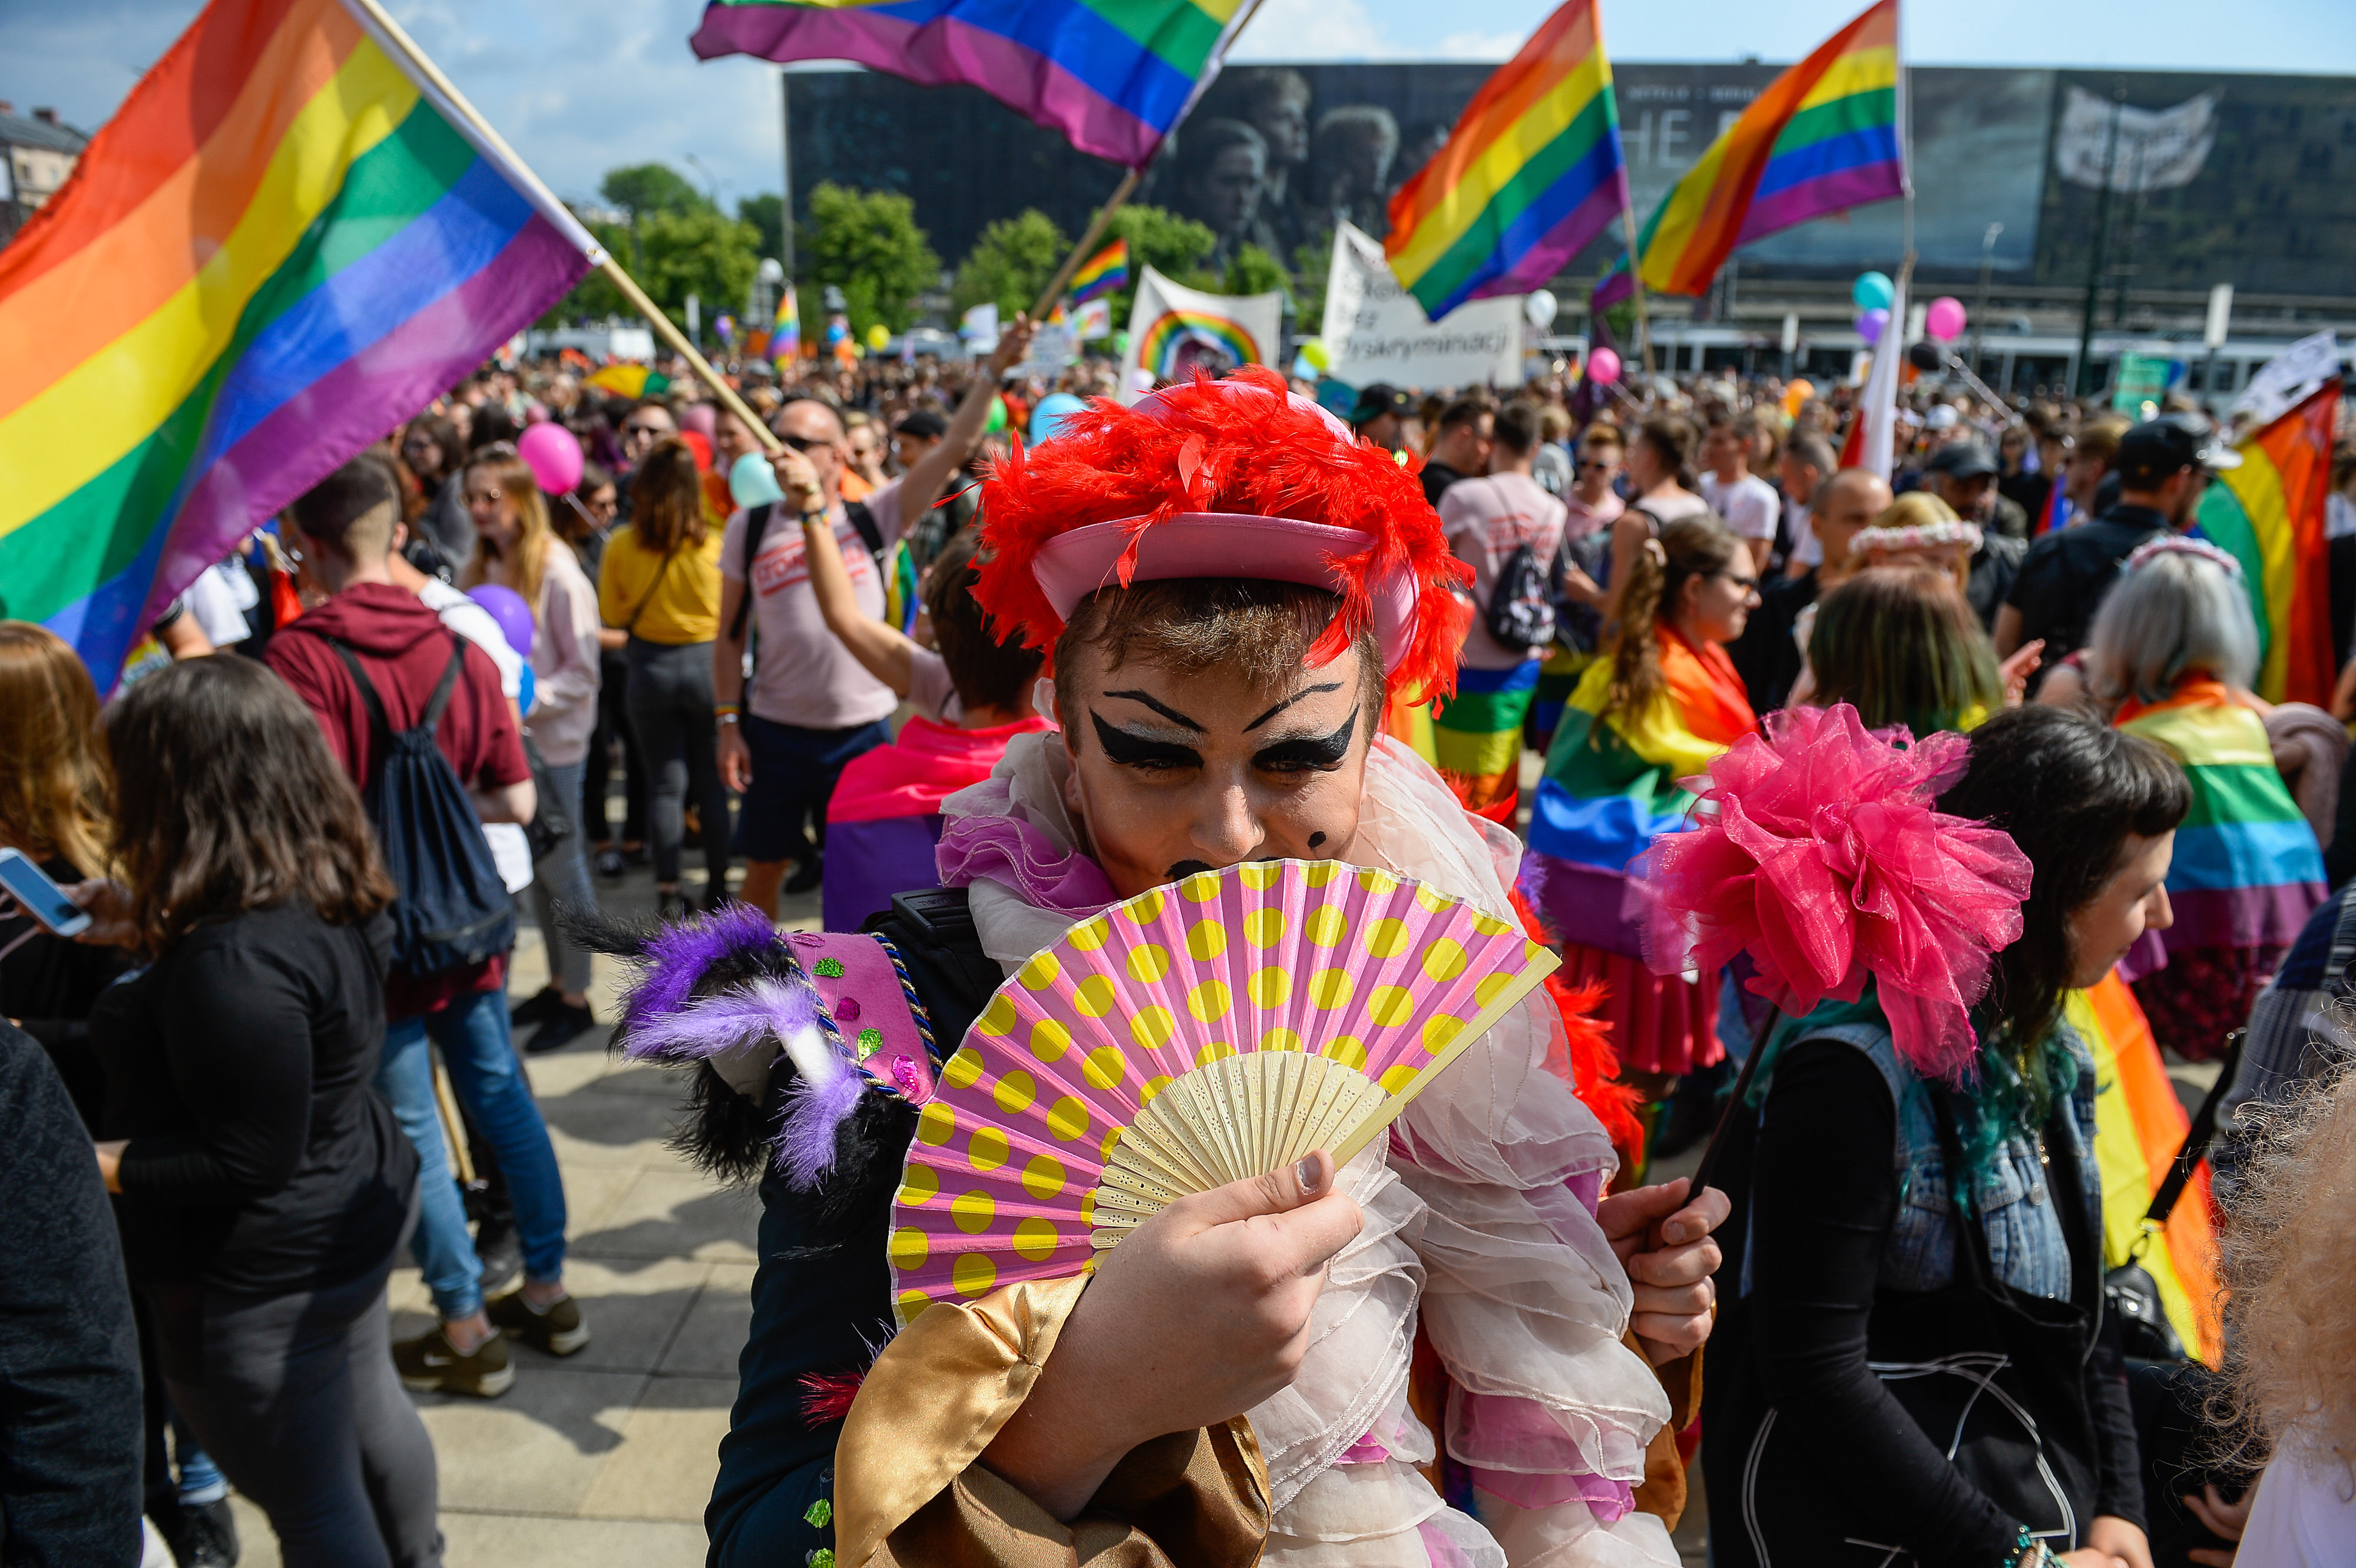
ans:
x=2027 y=1244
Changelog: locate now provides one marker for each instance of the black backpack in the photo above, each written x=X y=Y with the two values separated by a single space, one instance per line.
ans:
x=1520 y=614
x=453 y=911
x=756 y=528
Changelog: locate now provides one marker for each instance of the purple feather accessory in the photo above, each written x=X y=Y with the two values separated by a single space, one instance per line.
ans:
x=726 y=1021
x=814 y=1111
x=677 y=957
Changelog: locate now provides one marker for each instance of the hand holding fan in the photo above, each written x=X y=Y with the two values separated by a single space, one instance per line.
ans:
x=1219 y=1028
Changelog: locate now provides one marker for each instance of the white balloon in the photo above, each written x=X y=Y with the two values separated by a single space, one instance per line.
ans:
x=1540 y=307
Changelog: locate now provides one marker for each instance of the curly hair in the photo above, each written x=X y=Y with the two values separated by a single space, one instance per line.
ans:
x=2290 y=1279
x=1688 y=548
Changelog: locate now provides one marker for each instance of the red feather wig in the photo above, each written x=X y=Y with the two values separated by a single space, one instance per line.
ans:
x=1241 y=445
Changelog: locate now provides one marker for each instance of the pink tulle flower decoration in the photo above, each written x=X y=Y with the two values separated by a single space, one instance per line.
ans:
x=1827 y=861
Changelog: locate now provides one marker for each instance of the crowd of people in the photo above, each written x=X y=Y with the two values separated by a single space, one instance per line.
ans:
x=1841 y=783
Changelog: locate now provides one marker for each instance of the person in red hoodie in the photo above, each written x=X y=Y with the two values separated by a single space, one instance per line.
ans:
x=346 y=524
x=971 y=698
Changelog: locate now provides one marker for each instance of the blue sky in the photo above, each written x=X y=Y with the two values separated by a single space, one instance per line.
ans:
x=581 y=85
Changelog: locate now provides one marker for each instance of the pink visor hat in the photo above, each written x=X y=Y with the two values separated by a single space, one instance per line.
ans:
x=1074 y=565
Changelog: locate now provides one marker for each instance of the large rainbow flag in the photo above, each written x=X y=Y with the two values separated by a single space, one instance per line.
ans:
x=1822 y=137
x=2269 y=513
x=1114 y=76
x=284 y=242
x=1532 y=172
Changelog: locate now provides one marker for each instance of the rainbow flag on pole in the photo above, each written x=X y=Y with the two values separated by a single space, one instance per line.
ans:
x=1114 y=76
x=287 y=239
x=1101 y=274
x=1822 y=137
x=2269 y=513
x=1532 y=172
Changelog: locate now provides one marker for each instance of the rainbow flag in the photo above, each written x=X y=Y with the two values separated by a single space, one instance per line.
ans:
x=1822 y=137
x=2139 y=1124
x=284 y=243
x=1114 y=76
x=1477 y=737
x=630 y=380
x=1532 y=172
x=2057 y=512
x=1101 y=274
x=2269 y=513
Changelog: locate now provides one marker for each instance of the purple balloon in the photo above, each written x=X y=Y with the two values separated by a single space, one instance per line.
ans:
x=508 y=609
x=1870 y=323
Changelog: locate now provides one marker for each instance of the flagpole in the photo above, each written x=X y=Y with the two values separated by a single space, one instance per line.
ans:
x=1644 y=306
x=393 y=34
x=1087 y=247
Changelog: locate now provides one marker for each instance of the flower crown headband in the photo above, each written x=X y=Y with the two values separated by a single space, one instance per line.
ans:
x=2179 y=544
x=1917 y=536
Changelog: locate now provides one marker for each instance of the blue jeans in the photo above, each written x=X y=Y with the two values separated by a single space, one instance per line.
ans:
x=472 y=1032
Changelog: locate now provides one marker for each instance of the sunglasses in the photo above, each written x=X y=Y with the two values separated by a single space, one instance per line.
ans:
x=1597 y=462
x=804 y=444
x=1748 y=585
x=635 y=429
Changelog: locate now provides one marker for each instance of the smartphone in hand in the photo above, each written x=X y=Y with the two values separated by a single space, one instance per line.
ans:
x=22 y=879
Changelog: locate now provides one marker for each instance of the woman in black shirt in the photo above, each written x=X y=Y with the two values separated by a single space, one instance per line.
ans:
x=265 y=1183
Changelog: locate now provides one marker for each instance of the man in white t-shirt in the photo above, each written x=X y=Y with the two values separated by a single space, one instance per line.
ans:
x=1748 y=503
x=812 y=706
x=1487 y=521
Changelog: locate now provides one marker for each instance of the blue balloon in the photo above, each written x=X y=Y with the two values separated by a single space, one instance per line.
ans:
x=1049 y=415
x=524 y=691
x=1873 y=291
x=752 y=481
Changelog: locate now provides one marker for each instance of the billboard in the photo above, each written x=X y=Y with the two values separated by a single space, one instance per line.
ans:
x=2225 y=178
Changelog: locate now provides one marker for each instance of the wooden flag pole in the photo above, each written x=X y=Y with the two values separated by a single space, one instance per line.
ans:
x=1087 y=247
x=392 y=33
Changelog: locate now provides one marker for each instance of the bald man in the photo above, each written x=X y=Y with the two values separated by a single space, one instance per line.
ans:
x=1765 y=655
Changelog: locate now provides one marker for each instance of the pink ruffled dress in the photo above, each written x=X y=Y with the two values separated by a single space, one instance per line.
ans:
x=1480 y=1226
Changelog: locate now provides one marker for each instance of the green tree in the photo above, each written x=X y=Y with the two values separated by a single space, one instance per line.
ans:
x=1013 y=260
x=595 y=297
x=767 y=214
x=702 y=253
x=643 y=189
x=1254 y=270
x=866 y=243
x=1174 y=246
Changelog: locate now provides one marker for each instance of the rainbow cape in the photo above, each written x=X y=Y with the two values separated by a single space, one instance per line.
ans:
x=1613 y=786
x=2247 y=872
x=1822 y=137
x=1532 y=172
x=284 y=242
x=1101 y=274
x=2139 y=1124
x=2269 y=513
x=1114 y=76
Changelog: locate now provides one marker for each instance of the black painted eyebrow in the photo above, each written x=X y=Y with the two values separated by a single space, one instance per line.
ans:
x=1315 y=751
x=1167 y=712
x=1127 y=748
x=1304 y=692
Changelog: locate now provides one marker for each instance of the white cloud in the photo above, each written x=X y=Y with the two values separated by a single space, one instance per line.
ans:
x=1479 y=46
x=1314 y=30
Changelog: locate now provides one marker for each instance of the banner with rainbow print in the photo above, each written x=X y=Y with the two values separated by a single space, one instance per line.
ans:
x=1173 y=330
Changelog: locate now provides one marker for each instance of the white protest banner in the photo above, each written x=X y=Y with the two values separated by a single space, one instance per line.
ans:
x=1054 y=346
x=1093 y=319
x=1175 y=330
x=2283 y=382
x=979 y=327
x=2155 y=149
x=1375 y=330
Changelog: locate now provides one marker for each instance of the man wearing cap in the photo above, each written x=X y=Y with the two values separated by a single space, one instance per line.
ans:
x=1963 y=473
x=918 y=433
x=1380 y=416
x=2163 y=466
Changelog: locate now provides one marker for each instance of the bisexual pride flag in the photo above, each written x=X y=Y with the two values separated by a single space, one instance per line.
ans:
x=1114 y=76
x=288 y=239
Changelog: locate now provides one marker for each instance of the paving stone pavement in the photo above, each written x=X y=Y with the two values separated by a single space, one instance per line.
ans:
x=603 y=1459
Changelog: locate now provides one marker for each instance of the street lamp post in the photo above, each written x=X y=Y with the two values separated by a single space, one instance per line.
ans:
x=1979 y=312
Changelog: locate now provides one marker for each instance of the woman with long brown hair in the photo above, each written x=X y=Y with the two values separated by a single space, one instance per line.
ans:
x=660 y=583
x=516 y=547
x=265 y=1183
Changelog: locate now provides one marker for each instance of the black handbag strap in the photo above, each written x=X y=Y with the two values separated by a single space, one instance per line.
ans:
x=2196 y=1139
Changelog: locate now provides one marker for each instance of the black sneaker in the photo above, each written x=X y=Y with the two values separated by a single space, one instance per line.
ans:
x=808 y=875
x=556 y=1329
x=207 y=1536
x=670 y=907
x=535 y=1009
x=500 y=1251
x=560 y=1025
x=610 y=864
x=429 y=1364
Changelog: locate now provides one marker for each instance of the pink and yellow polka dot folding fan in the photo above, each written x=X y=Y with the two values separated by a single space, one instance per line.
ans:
x=1218 y=1029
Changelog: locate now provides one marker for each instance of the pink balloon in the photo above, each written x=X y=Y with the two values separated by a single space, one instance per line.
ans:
x=1869 y=323
x=1945 y=319
x=1603 y=366
x=554 y=456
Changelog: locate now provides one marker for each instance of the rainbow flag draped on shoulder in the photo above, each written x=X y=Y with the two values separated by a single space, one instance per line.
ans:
x=2247 y=872
x=1822 y=137
x=1612 y=786
x=2269 y=513
x=284 y=242
x=1114 y=76
x=1532 y=172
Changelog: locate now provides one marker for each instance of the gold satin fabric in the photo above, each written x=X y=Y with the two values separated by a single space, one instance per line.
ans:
x=909 y=1491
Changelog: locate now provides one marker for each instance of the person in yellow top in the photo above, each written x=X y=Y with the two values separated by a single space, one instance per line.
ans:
x=659 y=586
